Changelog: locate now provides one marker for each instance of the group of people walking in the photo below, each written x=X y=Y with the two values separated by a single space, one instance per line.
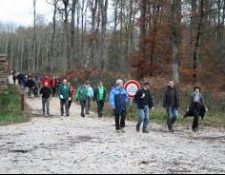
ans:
x=118 y=99
x=144 y=101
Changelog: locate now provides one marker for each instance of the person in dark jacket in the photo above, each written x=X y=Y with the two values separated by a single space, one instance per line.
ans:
x=99 y=97
x=171 y=102
x=197 y=108
x=144 y=100
x=30 y=84
x=118 y=100
x=46 y=94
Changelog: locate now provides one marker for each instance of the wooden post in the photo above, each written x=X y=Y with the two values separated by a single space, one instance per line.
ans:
x=22 y=103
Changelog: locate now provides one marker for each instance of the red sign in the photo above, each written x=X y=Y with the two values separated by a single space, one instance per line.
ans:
x=132 y=87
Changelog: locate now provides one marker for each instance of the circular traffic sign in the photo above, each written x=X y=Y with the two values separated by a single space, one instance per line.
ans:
x=132 y=87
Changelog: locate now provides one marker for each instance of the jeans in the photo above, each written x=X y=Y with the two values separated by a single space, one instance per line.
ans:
x=100 y=105
x=66 y=104
x=45 y=104
x=144 y=117
x=120 y=118
x=172 y=116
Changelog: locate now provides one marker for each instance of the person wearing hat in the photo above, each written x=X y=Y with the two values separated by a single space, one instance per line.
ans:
x=118 y=100
x=144 y=100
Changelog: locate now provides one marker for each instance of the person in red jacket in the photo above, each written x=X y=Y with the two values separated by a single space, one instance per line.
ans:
x=46 y=81
x=54 y=85
x=72 y=92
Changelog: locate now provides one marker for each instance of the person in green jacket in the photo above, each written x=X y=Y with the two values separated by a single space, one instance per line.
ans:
x=100 y=97
x=90 y=96
x=82 y=95
x=65 y=97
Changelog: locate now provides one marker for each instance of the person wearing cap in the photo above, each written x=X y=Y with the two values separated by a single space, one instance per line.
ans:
x=118 y=100
x=65 y=97
x=144 y=100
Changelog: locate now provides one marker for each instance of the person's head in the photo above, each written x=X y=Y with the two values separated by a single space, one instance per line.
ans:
x=100 y=83
x=29 y=78
x=88 y=83
x=147 y=85
x=46 y=84
x=119 y=83
x=54 y=77
x=65 y=82
x=172 y=84
x=46 y=76
x=197 y=89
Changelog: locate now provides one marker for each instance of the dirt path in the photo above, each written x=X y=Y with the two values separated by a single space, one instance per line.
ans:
x=77 y=145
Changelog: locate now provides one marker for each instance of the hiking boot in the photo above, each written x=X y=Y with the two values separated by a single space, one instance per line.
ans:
x=138 y=129
x=171 y=131
x=123 y=131
x=145 y=131
x=118 y=131
x=195 y=130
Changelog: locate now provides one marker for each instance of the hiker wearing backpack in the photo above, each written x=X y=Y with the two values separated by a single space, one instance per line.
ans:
x=99 y=97
x=171 y=102
x=82 y=95
x=65 y=97
x=144 y=100
x=197 y=108
x=118 y=101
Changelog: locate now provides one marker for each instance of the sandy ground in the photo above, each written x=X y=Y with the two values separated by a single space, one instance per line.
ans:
x=62 y=145
x=75 y=145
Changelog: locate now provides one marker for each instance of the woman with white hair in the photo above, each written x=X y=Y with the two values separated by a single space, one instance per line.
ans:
x=118 y=101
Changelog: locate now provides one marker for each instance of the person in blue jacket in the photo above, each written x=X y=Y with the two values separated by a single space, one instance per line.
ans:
x=118 y=101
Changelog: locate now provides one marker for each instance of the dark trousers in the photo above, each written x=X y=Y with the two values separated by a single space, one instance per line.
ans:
x=54 y=92
x=66 y=104
x=196 y=118
x=100 y=105
x=70 y=103
x=120 y=118
x=88 y=105
x=82 y=104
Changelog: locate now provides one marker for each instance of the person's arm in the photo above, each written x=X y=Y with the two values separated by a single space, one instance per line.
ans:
x=112 y=99
x=151 y=104
x=178 y=98
x=105 y=94
x=204 y=104
x=165 y=99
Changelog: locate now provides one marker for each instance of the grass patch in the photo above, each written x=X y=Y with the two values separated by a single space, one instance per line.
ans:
x=10 y=112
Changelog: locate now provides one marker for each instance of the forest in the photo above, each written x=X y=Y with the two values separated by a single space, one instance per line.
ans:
x=179 y=39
